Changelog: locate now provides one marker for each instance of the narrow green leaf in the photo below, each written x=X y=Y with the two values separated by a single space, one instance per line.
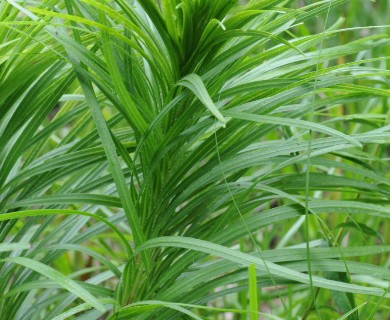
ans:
x=49 y=212
x=196 y=85
x=261 y=265
x=253 y=302
x=290 y=122
x=82 y=307
x=4 y=247
x=361 y=227
x=134 y=308
x=345 y=316
x=344 y=300
x=59 y=278
x=109 y=148
x=71 y=198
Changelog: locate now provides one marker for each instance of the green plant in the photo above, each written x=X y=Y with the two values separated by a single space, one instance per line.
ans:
x=143 y=142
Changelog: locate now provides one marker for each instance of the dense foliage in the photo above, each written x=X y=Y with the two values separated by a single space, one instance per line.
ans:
x=194 y=159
